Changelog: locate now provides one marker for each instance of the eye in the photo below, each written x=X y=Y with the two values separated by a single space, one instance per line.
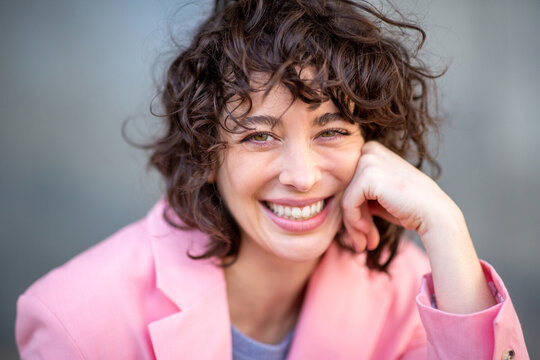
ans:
x=329 y=133
x=261 y=137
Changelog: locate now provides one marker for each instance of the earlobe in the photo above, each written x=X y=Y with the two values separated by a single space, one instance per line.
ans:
x=211 y=175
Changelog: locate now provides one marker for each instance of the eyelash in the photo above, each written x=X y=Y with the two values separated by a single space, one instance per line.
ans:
x=338 y=134
x=250 y=138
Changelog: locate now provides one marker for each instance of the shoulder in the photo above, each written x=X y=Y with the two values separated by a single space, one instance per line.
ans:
x=116 y=268
x=106 y=268
x=103 y=298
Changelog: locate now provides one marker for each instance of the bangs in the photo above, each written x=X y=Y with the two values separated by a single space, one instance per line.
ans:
x=354 y=65
x=344 y=51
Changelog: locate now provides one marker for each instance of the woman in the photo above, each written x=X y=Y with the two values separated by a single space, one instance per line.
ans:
x=289 y=123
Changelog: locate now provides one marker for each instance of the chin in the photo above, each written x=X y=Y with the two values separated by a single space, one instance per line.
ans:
x=302 y=249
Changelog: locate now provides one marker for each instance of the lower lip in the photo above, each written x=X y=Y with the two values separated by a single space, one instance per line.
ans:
x=300 y=225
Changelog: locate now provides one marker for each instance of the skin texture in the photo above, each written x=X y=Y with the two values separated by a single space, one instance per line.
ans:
x=299 y=159
x=296 y=159
x=385 y=185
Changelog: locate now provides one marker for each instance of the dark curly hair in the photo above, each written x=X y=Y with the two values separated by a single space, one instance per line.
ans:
x=361 y=64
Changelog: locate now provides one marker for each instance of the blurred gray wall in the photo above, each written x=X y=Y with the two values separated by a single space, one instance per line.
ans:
x=71 y=72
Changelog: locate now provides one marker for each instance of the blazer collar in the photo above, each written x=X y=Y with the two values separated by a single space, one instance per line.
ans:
x=340 y=292
x=201 y=326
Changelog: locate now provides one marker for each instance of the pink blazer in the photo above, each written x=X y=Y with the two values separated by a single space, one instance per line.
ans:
x=137 y=295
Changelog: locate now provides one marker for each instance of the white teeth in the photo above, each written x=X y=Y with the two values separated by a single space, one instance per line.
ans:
x=296 y=213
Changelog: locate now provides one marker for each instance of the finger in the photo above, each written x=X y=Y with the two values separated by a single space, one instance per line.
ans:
x=360 y=242
x=356 y=238
x=352 y=213
x=372 y=236
x=355 y=245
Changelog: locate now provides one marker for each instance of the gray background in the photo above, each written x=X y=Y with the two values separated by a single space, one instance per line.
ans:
x=72 y=71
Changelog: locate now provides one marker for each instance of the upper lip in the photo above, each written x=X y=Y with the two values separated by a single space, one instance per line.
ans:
x=295 y=202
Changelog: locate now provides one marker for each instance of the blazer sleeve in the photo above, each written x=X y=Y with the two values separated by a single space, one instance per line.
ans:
x=40 y=334
x=493 y=333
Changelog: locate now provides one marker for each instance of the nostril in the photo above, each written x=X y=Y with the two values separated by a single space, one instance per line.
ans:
x=301 y=181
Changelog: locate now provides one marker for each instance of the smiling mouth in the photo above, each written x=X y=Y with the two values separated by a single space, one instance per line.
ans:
x=296 y=213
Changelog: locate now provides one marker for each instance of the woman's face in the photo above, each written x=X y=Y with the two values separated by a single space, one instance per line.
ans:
x=283 y=181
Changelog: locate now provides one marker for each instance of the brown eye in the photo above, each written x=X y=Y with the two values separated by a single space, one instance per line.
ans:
x=329 y=133
x=261 y=137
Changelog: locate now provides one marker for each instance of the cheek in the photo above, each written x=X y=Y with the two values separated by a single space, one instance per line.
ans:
x=342 y=163
x=241 y=175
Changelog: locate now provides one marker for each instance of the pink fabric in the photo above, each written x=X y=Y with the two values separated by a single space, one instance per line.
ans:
x=137 y=295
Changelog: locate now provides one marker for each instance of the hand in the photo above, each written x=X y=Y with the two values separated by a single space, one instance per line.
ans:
x=387 y=186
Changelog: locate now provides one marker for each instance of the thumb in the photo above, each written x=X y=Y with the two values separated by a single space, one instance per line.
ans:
x=372 y=235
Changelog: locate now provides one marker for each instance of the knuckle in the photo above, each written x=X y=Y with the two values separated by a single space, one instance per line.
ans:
x=368 y=158
x=372 y=175
x=372 y=145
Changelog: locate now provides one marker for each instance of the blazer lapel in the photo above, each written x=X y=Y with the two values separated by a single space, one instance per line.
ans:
x=200 y=329
x=337 y=296
x=199 y=332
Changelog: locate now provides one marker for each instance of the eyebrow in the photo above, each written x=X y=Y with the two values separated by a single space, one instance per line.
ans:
x=272 y=121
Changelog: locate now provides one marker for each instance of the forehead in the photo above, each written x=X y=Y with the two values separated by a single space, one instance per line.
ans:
x=275 y=101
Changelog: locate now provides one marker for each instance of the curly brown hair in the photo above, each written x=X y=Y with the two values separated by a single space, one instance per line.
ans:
x=362 y=65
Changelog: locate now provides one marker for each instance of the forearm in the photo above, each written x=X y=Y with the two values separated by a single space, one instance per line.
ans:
x=459 y=282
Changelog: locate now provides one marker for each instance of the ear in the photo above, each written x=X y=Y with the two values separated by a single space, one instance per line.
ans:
x=212 y=175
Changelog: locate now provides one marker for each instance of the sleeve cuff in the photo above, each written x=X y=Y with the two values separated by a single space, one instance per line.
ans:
x=485 y=334
x=426 y=295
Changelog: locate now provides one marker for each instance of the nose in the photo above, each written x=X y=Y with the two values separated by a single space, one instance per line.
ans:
x=299 y=168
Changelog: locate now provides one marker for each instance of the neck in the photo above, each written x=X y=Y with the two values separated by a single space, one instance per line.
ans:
x=265 y=293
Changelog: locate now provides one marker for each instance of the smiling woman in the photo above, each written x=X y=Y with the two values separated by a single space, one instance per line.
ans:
x=271 y=174
x=296 y=133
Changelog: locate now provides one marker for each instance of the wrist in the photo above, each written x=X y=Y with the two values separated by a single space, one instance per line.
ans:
x=445 y=219
x=443 y=214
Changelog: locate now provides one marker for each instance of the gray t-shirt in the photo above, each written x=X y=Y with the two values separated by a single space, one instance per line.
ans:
x=245 y=348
